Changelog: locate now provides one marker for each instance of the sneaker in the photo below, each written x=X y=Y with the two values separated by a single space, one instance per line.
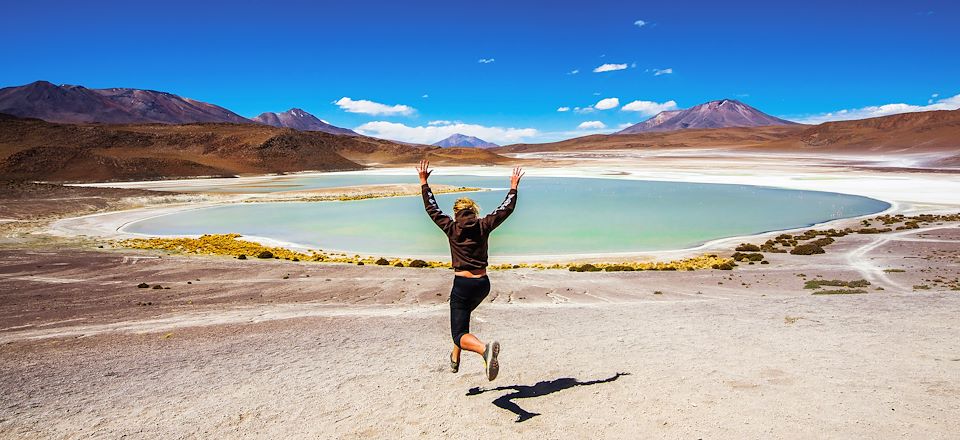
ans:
x=454 y=364
x=490 y=360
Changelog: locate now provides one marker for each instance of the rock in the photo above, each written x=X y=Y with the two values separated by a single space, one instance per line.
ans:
x=399 y=264
x=265 y=254
x=747 y=247
x=382 y=262
x=143 y=285
x=157 y=286
x=419 y=263
x=241 y=257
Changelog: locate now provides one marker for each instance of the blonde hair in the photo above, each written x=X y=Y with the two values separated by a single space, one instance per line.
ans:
x=466 y=203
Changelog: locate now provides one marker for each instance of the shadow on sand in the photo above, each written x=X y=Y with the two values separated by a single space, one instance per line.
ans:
x=539 y=389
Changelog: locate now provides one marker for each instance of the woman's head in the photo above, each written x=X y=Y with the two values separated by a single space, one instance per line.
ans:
x=465 y=203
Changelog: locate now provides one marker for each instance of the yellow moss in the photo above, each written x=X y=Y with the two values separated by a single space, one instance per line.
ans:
x=229 y=244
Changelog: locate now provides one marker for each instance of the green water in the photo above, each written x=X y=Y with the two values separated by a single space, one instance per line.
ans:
x=554 y=216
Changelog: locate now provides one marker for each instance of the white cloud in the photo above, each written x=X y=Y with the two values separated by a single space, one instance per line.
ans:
x=609 y=67
x=934 y=95
x=607 y=104
x=425 y=96
x=440 y=122
x=373 y=108
x=873 y=111
x=573 y=72
x=433 y=133
x=625 y=125
x=486 y=60
x=658 y=72
x=584 y=110
x=563 y=109
x=649 y=108
x=591 y=125
x=639 y=23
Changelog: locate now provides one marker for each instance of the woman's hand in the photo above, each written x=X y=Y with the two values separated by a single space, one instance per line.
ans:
x=423 y=171
x=515 y=178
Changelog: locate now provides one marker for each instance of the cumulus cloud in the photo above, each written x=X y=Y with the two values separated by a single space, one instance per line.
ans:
x=373 y=108
x=873 y=111
x=563 y=109
x=639 y=23
x=649 y=108
x=658 y=72
x=486 y=60
x=439 y=122
x=432 y=133
x=591 y=125
x=609 y=68
x=607 y=104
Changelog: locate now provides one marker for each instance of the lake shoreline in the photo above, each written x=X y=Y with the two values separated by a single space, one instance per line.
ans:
x=812 y=177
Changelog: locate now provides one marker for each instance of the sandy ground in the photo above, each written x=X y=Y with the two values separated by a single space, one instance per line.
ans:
x=265 y=349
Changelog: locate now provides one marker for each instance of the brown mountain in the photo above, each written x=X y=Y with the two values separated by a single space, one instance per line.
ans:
x=300 y=120
x=78 y=104
x=31 y=149
x=714 y=114
x=908 y=133
x=920 y=132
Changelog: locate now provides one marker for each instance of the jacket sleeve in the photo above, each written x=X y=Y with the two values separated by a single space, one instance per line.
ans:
x=433 y=210
x=492 y=220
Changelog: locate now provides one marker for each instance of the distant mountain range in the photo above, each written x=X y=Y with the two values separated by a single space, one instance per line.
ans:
x=33 y=149
x=714 y=114
x=77 y=104
x=298 y=119
x=931 y=137
x=462 y=140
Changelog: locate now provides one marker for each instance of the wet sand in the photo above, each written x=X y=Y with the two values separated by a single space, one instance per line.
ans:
x=272 y=348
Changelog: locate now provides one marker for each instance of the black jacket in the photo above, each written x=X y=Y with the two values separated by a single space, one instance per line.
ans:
x=468 y=234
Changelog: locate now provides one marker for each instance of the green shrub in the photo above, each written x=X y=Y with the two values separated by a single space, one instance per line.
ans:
x=807 y=249
x=618 y=268
x=740 y=256
x=822 y=241
x=816 y=284
x=840 y=292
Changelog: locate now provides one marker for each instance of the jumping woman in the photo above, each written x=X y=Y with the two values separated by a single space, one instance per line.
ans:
x=468 y=234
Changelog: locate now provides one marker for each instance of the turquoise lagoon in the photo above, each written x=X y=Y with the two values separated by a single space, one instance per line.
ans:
x=554 y=215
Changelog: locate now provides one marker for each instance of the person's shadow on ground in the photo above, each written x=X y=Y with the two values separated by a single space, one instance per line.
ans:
x=539 y=389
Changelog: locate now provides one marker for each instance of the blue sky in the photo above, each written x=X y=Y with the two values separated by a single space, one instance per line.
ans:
x=810 y=61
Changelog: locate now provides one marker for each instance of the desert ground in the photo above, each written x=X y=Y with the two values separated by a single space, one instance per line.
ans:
x=268 y=348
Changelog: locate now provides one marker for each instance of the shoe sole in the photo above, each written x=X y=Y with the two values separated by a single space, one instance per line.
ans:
x=493 y=365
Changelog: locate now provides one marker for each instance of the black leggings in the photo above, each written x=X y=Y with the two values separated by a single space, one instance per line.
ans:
x=466 y=295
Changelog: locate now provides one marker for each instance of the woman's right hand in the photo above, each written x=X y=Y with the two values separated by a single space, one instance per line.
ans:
x=424 y=171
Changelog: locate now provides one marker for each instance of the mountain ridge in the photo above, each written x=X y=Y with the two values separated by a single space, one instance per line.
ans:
x=462 y=140
x=78 y=104
x=721 y=113
x=300 y=119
